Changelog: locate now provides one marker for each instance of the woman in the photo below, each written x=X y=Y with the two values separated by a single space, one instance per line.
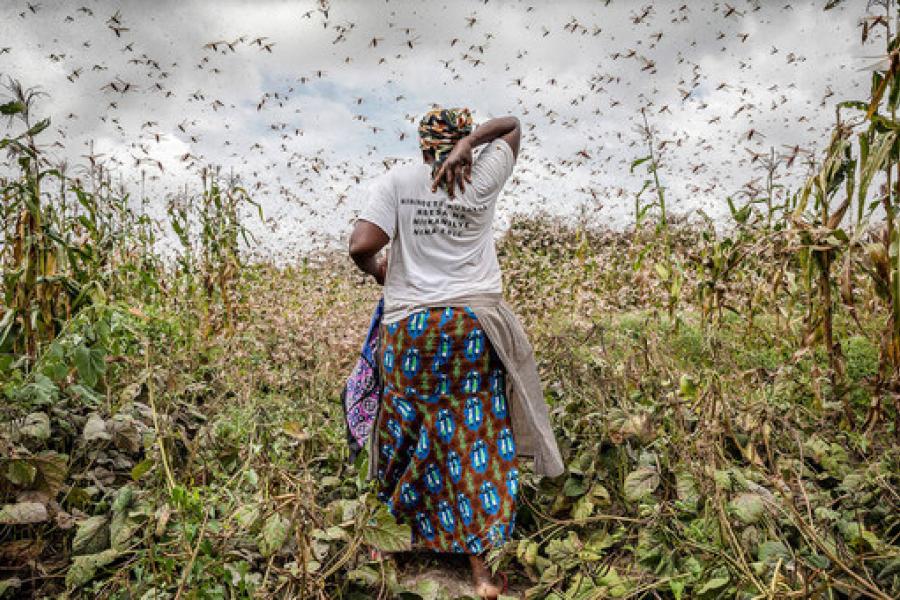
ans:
x=461 y=399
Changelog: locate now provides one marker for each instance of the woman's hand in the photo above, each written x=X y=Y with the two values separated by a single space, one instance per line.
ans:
x=457 y=167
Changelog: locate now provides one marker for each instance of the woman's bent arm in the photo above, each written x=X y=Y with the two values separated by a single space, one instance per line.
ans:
x=457 y=166
x=366 y=242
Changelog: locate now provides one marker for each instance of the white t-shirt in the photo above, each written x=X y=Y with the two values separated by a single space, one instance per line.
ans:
x=441 y=247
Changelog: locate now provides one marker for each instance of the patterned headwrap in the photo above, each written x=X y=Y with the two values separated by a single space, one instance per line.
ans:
x=440 y=129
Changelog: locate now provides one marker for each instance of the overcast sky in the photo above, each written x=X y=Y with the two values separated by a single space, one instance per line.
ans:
x=315 y=97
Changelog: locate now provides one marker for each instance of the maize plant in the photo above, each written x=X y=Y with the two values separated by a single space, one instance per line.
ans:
x=212 y=255
x=58 y=256
x=669 y=271
x=38 y=295
x=879 y=153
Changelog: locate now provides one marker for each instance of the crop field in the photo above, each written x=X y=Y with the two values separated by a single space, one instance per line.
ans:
x=726 y=395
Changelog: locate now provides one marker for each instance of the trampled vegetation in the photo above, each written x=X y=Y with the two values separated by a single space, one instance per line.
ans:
x=727 y=402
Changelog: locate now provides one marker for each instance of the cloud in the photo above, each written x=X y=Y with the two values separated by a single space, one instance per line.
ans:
x=306 y=109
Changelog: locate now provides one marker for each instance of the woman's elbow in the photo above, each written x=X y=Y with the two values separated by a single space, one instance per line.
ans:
x=357 y=246
x=353 y=248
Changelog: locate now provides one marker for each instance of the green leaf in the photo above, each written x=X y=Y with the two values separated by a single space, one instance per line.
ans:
x=41 y=391
x=662 y=271
x=583 y=508
x=37 y=426
x=364 y=575
x=641 y=483
x=90 y=364
x=123 y=499
x=82 y=357
x=527 y=552
x=384 y=533
x=687 y=387
x=39 y=127
x=611 y=579
x=817 y=560
x=686 y=488
x=141 y=469
x=21 y=472
x=246 y=515
x=84 y=568
x=574 y=487
x=713 y=584
x=13 y=583
x=84 y=394
x=11 y=108
x=122 y=529
x=772 y=550
x=92 y=536
x=637 y=162
x=749 y=508
x=273 y=535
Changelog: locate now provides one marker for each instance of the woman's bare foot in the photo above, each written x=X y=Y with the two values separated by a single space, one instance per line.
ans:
x=484 y=586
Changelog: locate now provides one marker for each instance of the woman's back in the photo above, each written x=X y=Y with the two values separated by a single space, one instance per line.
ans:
x=441 y=247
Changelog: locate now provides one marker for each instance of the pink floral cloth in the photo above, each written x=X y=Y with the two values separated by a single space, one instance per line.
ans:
x=362 y=392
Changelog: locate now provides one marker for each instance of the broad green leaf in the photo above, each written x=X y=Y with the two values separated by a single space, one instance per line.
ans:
x=21 y=472
x=246 y=515
x=716 y=583
x=123 y=500
x=141 y=469
x=772 y=550
x=677 y=588
x=84 y=568
x=527 y=552
x=641 y=483
x=583 y=508
x=92 y=536
x=90 y=364
x=686 y=488
x=384 y=533
x=749 y=508
x=273 y=535
x=42 y=391
x=84 y=393
x=574 y=486
x=122 y=530
x=617 y=586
